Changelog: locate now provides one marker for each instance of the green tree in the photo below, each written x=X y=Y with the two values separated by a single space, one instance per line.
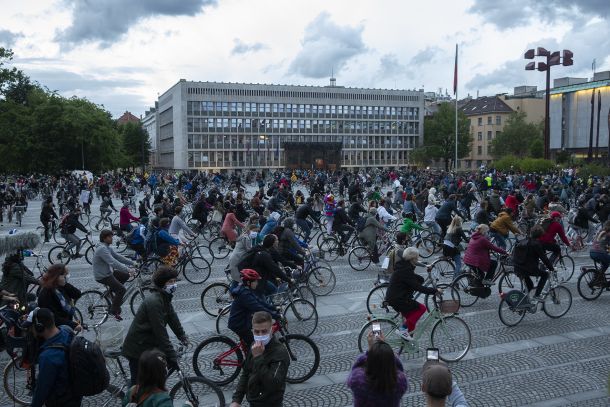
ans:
x=135 y=143
x=439 y=135
x=518 y=138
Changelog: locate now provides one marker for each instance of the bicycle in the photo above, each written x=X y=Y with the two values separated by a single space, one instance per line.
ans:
x=220 y=247
x=55 y=231
x=317 y=275
x=592 y=282
x=221 y=358
x=361 y=257
x=195 y=269
x=516 y=303
x=99 y=223
x=208 y=393
x=449 y=333
x=61 y=254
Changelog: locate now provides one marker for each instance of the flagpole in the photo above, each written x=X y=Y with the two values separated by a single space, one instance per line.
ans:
x=456 y=106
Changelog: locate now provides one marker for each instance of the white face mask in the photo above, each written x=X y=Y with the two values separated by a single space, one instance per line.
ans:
x=265 y=339
x=253 y=235
x=170 y=289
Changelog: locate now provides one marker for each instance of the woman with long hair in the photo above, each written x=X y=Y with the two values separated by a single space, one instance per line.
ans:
x=451 y=245
x=59 y=296
x=377 y=378
x=16 y=277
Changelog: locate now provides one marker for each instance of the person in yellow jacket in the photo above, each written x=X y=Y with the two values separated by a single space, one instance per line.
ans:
x=500 y=227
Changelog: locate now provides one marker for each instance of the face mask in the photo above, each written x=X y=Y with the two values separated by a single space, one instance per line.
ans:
x=253 y=235
x=265 y=339
x=170 y=289
x=66 y=277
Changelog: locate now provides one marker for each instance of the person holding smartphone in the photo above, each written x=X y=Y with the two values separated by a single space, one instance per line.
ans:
x=377 y=377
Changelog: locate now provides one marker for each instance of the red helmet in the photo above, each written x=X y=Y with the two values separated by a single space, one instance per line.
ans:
x=249 y=275
x=555 y=214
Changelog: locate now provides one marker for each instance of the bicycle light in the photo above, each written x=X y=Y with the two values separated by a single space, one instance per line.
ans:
x=368 y=317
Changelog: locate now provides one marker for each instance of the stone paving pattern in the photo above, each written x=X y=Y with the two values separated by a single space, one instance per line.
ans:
x=542 y=362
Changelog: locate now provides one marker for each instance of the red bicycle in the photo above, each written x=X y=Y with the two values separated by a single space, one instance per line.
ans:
x=220 y=359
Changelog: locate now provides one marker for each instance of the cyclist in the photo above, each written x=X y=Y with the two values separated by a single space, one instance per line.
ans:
x=105 y=208
x=177 y=224
x=16 y=277
x=477 y=254
x=230 y=226
x=289 y=248
x=148 y=329
x=58 y=296
x=403 y=283
x=429 y=217
x=68 y=230
x=110 y=269
x=443 y=216
x=553 y=228
x=369 y=234
x=500 y=227
x=342 y=224
x=385 y=216
x=247 y=301
x=527 y=256
x=451 y=245
x=266 y=263
x=125 y=217
x=46 y=217
x=599 y=249
x=302 y=213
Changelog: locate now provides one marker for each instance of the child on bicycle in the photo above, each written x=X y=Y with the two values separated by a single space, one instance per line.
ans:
x=403 y=284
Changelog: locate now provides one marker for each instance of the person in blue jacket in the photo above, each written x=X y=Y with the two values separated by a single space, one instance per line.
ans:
x=52 y=382
x=272 y=222
x=246 y=302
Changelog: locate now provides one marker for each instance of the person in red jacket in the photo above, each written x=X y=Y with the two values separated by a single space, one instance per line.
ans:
x=477 y=253
x=512 y=202
x=125 y=217
x=553 y=229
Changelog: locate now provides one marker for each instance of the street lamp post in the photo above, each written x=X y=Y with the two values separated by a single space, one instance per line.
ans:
x=552 y=58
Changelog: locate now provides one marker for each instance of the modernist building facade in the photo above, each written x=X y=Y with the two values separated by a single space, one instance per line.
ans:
x=230 y=126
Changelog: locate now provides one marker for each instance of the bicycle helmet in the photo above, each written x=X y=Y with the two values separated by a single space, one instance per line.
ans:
x=249 y=275
x=555 y=214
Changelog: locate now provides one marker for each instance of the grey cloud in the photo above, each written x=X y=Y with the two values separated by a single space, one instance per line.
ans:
x=390 y=67
x=8 y=38
x=241 y=47
x=505 y=14
x=325 y=46
x=426 y=55
x=107 y=20
x=66 y=81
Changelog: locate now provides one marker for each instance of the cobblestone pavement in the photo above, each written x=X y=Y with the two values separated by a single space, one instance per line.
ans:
x=541 y=362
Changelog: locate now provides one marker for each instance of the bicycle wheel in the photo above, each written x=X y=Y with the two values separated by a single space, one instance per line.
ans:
x=589 y=285
x=219 y=247
x=564 y=268
x=215 y=297
x=330 y=248
x=301 y=317
x=322 y=281
x=210 y=231
x=94 y=222
x=196 y=270
x=304 y=357
x=443 y=271
x=199 y=391
x=136 y=300
x=389 y=329
x=94 y=306
x=58 y=238
x=222 y=321
x=119 y=245
x=359 y=258
x=59 y=255
x=449 y=293
x=219 y=359
x=451 y=335
x=18 y=382
x=306 y=293
x=509 y=315
x=89 y=253
x=376 y=299
x=558 y=302
x=463 y=284
x=426 y=248
x=510 y=281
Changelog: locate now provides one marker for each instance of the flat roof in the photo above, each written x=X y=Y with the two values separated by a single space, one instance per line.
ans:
x=580 y=86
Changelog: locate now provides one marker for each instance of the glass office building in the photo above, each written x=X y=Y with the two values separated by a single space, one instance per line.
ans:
x=227 y=126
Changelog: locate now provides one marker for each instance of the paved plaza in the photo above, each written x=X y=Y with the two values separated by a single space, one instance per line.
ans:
x=541 y=362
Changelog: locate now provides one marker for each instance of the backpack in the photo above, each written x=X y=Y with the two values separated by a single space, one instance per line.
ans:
x=278 y=231
x=86 y=367
x=389 y=261
x=150 y=242
x=520 y=252
x=572 y=217
x=360 y=224
x=247 y=262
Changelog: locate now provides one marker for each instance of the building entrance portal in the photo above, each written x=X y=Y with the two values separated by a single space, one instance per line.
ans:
x=321 y=156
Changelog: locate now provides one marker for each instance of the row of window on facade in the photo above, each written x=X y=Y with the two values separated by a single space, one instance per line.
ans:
x=219 y=141
x=300 y=125
x=489 y=121
x=489 y=135
x=299 y=94
x=475 y=163
x=206 y=108
x=228 y=159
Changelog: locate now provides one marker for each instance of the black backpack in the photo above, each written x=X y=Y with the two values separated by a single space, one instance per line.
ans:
x=247 y=262
x=520 y=252
x=86 y=367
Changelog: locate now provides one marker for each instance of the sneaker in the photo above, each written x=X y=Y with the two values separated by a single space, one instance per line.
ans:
x=77 y=256
x=537 y=299
x=404 y=334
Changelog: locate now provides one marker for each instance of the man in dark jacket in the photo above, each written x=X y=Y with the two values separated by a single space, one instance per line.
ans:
x=265 y=262
x=46 y=216
x=443 y=216
x=148 y=329
x=263 y=377
x=289 y=248
x=69 y=229
x=342 y=224
x=303 y=212
x=53 y=382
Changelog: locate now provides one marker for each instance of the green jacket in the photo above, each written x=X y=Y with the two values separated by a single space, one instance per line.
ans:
x=263 y=379
x=160 y=399
x=148 y=329
x=17 y=279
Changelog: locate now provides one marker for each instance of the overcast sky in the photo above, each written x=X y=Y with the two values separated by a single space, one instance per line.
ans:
x=122 y=53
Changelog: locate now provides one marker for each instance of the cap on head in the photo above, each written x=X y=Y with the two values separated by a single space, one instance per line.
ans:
x=555 y=214
x=436 y=379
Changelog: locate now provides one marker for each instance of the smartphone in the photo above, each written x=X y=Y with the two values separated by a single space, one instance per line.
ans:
x=432 y=354
x=376 y=329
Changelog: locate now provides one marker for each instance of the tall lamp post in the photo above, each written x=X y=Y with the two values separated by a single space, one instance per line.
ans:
x=552 y=58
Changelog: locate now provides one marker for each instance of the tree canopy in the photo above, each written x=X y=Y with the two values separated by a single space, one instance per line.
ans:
x=439 y=137
x=518 y=138
x=41 y=131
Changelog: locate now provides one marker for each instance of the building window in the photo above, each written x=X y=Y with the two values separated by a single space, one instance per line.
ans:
x=489 y=136
x=489 y=120
x=498 y=120
x=480 y=136
x=480 y=121
x=479 y=150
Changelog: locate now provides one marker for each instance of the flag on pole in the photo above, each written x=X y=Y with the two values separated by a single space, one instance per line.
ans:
x=455 y=71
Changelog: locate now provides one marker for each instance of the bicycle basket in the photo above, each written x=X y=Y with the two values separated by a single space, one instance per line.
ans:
x=449 y=306
x=110 y=337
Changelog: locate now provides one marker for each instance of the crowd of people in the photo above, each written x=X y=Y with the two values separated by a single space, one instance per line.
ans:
x=273 y=228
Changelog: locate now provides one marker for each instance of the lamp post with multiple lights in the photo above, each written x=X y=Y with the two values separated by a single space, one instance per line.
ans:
x=552 y=58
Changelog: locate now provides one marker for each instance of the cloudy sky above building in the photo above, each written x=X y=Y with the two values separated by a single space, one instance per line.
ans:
x=122 y=54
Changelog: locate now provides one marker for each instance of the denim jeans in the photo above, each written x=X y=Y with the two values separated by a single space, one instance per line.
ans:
x=603 y=258
x=434 y=226
x=500 y=239
x=457 y=258
x=305 y=226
